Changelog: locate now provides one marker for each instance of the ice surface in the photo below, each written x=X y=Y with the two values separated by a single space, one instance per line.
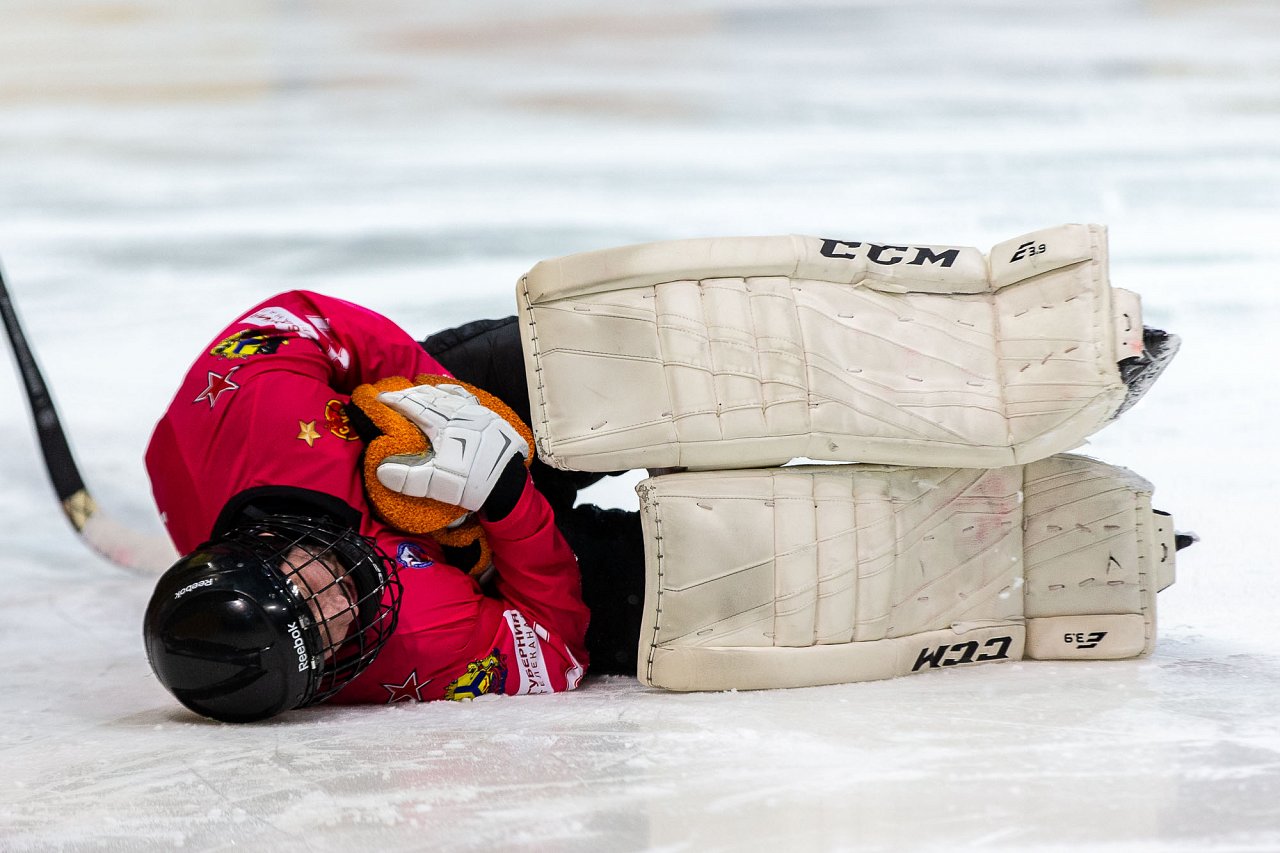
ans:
x=164 y=164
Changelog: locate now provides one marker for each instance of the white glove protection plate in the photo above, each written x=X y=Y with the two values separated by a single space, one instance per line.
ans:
x=470 y=446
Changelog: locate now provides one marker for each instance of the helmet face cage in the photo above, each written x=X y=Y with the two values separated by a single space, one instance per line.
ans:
x=345 y=590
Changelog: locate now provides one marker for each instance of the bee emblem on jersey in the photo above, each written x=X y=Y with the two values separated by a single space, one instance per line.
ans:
x=335 y=415
x=246 y=343
x=487 y=675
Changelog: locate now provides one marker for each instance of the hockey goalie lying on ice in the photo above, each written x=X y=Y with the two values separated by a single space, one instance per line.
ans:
x=365 y=520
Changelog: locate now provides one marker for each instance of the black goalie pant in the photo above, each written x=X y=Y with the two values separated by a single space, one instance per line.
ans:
x=607 y=542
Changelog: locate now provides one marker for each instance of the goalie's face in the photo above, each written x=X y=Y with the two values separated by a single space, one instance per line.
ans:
x=328 y=589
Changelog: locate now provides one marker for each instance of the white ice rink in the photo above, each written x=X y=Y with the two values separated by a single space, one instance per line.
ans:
x=165 y=164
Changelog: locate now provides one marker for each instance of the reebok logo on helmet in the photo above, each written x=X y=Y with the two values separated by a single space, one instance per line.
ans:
x=299 y=646
x=186 y=589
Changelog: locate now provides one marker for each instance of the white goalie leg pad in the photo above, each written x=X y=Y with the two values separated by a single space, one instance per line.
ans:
x=741 y=352
x=801 y=576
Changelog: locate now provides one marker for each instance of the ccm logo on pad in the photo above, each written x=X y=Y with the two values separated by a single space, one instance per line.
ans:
x=997 y=648
x=887 y=256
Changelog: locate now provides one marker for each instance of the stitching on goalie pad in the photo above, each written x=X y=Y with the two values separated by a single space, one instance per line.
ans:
x=1146 y=573
x=536 y=355
x=998 y=347
x=659 y=558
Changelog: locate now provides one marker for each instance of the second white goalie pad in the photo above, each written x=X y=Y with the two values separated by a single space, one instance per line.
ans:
x=742 y=352
x=800 y=576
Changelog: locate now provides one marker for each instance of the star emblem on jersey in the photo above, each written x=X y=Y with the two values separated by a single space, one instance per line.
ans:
x=307 y=432
x=410 y=691
x=218 y=385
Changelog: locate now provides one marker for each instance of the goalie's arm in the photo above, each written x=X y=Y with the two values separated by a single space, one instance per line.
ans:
x=477 y=461
x=537 y=571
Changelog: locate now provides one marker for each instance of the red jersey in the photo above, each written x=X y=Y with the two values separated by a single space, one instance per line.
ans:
x=260 y=416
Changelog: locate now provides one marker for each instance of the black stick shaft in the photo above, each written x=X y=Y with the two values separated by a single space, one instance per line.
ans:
x=53 y=440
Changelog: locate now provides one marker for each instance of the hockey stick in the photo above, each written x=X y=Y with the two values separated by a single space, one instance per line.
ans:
x=129 y=549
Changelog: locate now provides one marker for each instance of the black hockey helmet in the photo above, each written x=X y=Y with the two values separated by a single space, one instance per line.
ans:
x=279 y=613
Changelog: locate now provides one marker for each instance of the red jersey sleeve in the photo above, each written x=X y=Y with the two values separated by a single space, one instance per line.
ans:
x=537 y=572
